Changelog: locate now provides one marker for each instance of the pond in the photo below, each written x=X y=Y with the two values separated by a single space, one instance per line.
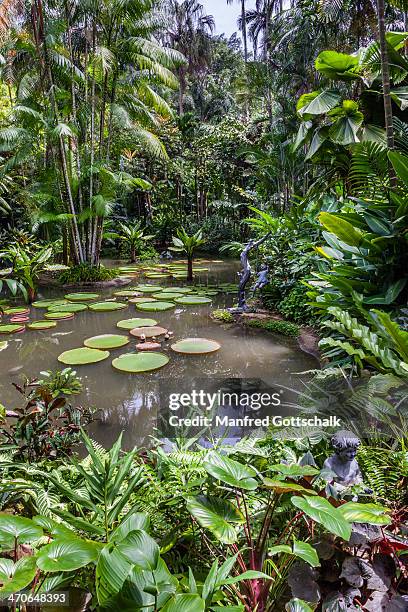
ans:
x=128 y=402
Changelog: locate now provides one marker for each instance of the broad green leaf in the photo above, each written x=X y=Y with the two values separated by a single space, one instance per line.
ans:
x=400 y=164
x=321 y=511
x=336 y=65
x=64 y=555
x=16 y=576
x=52 y=527
x=280 y=548
x=17 y=527
x=345 y=130
x=133 y=522
x=319 y=138
x=111 y=572
x=186 y=602
x=306 y=552
x=374 y=514
x=341 y=228
x=140 y=549
x=322 y=103
x=218 y=515
x=231 y=472
x=298 y=605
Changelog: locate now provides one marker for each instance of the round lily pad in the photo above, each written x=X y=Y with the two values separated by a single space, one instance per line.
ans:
x=106 y=341
x=155 y=306
x=82 y=297
x=68 y=308
x=42 y=325
x=59 y=315
x=19 y=319
x=107 y=306
x=136 y=363
x=139 y=300
x=11 y=329
x=48 y=303
x=127 y=293
x=149 y=289
x=148 y=332
x=195 y=346
x=180 y=289
x=157 y=275
x=164 y=295
x=17 y=310
x=133 y=323
x=192 y=300
x=83 y=356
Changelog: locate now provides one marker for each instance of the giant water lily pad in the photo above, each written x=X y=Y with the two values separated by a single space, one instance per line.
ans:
x=3 y=345
x=137 y=363
x=196 y=346
x=56 y=316
x=155 y=306
x=42 y=325
x=82 y=297
x=157 y=275
x=149 y=288
x=127 y=293
x=140 y=300
x=48 y=303
x=68 y=308
x=11 y=328
x=83 y=356
x=148 y=332
x=180 y=289
x=164 y=295
x=133 y=323
x=22 y=310
x=193 y=300
x=107 y=306
x=106 y=341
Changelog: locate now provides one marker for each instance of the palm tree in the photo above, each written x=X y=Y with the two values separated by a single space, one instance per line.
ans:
x=188 y=31
x=188 y=245
x=243 y=27
x=132 y=234
x=105 y=64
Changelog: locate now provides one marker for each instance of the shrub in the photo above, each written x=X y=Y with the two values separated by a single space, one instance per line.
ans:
x=272 y=294
x=295 y=305
x=279 y=327
x=223 y=315
x=85 y=273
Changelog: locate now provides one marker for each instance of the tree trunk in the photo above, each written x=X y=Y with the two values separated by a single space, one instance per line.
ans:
x=244 y=30
x=189 y=268
x=385 y=68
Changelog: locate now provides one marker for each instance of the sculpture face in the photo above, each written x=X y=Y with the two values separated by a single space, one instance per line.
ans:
x=347 y=454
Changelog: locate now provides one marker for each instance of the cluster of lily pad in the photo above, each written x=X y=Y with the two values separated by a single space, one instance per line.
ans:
x=146 y=298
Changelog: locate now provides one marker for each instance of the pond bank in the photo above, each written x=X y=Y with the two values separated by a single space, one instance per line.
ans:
x=306 y=336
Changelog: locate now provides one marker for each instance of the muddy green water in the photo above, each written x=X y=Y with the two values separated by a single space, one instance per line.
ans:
x=128 y=403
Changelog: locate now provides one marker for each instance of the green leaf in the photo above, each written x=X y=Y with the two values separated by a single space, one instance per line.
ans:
x=374 y=514
x=321 y=511
x=341 y=228
x=186 y=602
x=231 y=472
x=249 y=575
x=140 y=549
x=218 y=515
x=111 y=572
x=322 y=103
x=336 y=65
x=400 y=164
x=65 y=555
x=298 y=605
x=18 y=528
x=282 y=486
x=306 y=552
x=16 y=576
x=345 y=129
x=133 y=522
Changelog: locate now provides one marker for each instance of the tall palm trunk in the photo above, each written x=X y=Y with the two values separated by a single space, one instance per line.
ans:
x=244 y=30
x=385 y=68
